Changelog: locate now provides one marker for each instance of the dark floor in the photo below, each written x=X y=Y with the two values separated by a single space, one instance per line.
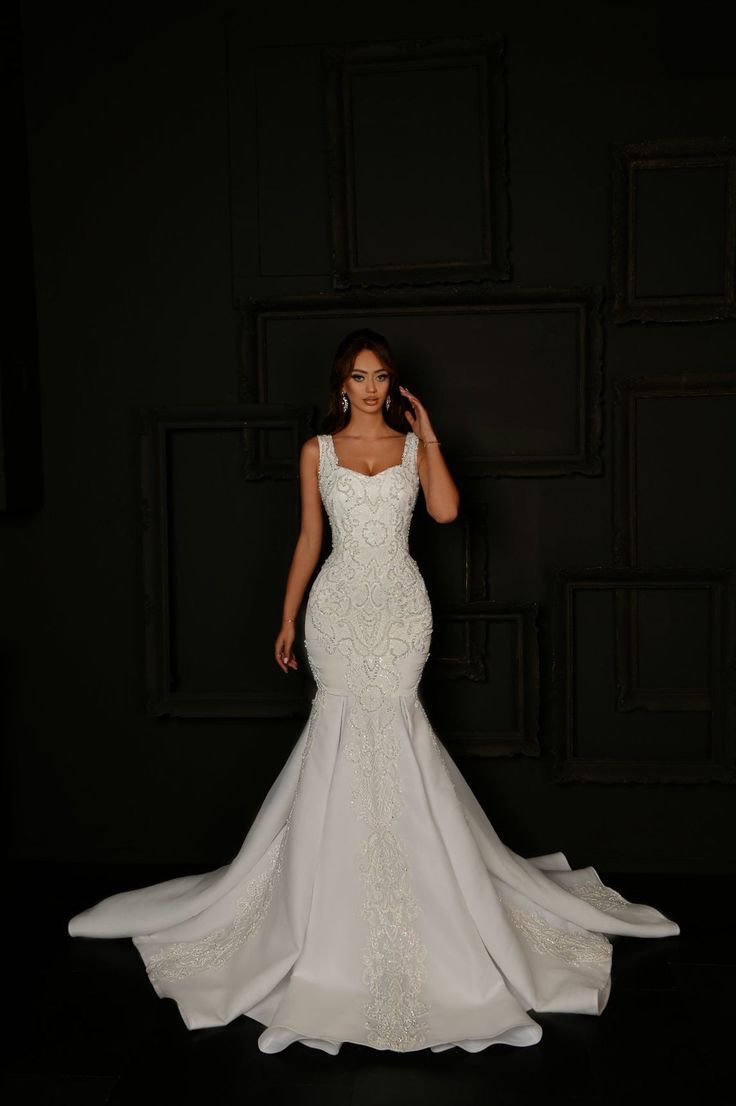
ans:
x=86 y=1027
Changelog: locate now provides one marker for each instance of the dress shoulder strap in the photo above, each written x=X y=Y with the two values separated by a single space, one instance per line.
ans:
x=411 y=446
x=326 y=452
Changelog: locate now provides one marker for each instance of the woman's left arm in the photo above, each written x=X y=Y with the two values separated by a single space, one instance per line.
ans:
x=440 y=491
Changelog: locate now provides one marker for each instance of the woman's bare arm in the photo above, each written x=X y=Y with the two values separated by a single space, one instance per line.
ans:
x=440 y=490
x=306 y=552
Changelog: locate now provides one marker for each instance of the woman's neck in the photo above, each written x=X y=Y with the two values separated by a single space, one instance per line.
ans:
x=366 y=426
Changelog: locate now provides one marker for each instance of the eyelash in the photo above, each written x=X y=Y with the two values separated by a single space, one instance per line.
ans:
x=359 y=376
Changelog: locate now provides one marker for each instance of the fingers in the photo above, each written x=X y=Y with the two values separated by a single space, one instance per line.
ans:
x=416 y=420
x=410 y=396
x=284 y=657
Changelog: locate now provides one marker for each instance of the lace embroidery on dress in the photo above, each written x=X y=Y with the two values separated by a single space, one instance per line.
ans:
x=582 y=947
x=179 y=959
x=184 y=958
x=597 y=894
x=394 y=955
x=371 y=607
x=370 y=600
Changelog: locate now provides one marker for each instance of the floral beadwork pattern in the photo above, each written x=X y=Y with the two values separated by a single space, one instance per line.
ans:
x=394 y=955
x=573 y=947
x=184 y=958
x=180 y=959
x=369 y=601
x=598 y=895
x=369 y=607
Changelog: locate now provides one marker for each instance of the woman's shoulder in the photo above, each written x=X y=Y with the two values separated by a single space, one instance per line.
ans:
x=311 y=447
x=309 y=457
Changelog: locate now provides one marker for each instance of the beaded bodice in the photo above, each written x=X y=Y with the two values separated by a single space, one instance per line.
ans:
x=369 y=600
x=369 y=515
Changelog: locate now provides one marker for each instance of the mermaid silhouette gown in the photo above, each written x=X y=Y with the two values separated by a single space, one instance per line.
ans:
x=371 y=900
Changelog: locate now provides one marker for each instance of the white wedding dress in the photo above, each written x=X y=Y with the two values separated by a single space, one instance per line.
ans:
x=371 y=900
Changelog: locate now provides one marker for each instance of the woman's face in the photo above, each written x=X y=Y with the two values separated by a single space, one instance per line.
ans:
x=367 y=383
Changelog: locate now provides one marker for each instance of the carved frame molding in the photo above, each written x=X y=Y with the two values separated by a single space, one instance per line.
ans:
x=523 y=740
x=486 y=53
x=161 y=696
x=675 y=153
x=627 y=393
x=719 y=699
x=470 y=664
x=585 y=456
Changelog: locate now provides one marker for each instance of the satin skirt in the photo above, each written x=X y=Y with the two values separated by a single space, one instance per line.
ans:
x=372 y=902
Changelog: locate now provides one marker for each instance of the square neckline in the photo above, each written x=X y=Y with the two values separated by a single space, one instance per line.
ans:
x=369 y=475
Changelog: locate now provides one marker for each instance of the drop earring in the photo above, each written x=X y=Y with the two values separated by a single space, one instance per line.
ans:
x=388 y=402
x=344 y=402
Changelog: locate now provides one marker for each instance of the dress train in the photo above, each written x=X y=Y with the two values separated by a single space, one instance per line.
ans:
x=371 y=900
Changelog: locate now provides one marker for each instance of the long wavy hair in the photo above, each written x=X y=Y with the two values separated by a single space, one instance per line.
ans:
x=344 y=360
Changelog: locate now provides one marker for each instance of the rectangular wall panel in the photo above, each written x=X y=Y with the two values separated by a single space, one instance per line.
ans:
x=517 y=375
x=418 y=164
x=219 y=532
x=674 y=230
x=686 y=733
x=494 y=709
x=675 y=469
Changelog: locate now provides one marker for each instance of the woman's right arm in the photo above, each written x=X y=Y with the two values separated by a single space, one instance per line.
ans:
x=306 y=553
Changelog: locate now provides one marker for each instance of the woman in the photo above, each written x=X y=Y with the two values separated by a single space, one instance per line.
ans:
x=371 y=900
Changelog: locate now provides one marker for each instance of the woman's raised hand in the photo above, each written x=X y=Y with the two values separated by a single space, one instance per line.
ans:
x=419 y=421
x=284 y=647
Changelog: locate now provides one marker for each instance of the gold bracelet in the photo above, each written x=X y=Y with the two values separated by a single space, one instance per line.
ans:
x=431 y=441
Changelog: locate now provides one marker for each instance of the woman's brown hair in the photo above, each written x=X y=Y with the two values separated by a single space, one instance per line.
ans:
x=342 y=365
